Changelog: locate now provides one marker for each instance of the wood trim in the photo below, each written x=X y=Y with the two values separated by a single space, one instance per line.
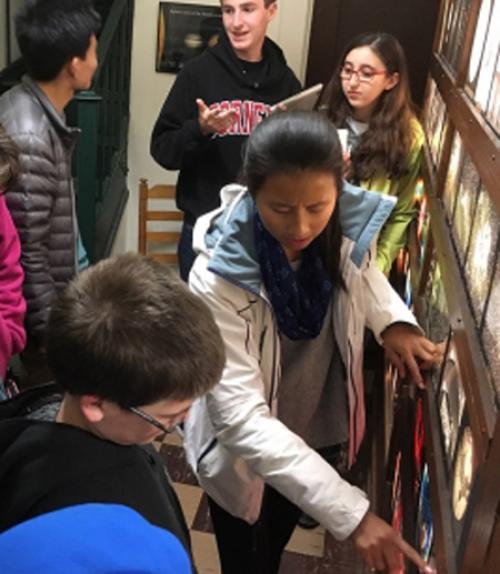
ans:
x=164 y=215
x=444 y=545
x=483 y=532
x=443 y=4
x=429 y=184
x=321 y=61
x=162 y=236
x=143 y=199
x=480 y=397
x=480 y=141
x=463 y=61
x=170 y=237
x=170 y=258
x=415 y=268
x=161 y=192
x=493 y=560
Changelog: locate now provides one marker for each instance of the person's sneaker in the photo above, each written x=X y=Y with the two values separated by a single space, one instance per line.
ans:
x=307 y=522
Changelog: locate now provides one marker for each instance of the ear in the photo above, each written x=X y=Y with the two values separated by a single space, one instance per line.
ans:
x=271 y=10
x=92 y=408
x=392 y=81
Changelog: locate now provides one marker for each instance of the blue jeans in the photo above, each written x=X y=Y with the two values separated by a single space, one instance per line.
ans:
x=185 y=253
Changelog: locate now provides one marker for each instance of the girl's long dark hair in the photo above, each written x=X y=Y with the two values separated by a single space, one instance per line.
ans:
x=288 y=142
x=9 y=162
x=385 y=146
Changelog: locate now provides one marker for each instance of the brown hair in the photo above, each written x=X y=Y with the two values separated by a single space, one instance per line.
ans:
x=128 y=331
x=267 y=3
x=9 y=160
x=385 y=146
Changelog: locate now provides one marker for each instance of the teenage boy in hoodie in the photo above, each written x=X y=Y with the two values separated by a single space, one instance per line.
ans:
x=57 y=39
x=216 y=101
x=131 y=348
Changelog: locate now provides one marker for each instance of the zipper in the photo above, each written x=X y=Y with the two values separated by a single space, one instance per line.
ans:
x=207 y=449
x=241 y=285
x=353 y=386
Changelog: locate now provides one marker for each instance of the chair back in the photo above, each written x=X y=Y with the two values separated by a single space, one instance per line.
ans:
x=159 y=230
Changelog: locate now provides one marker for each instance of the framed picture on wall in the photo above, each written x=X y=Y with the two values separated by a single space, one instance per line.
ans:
x=184 y=31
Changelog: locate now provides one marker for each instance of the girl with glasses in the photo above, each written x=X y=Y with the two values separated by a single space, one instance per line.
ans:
x=369 y=95
x=285 y=266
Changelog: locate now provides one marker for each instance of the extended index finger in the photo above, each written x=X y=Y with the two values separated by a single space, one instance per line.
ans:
x=202 y=106
x=414 y=556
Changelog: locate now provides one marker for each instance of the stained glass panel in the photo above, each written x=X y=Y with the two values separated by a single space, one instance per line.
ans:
x=437 y=324
x=483 y=81
x=491 y=330
x=465 y=207
x=451 y=402
x=454 y=168
x=453 y=33
x=480 y=262
x=436 y=122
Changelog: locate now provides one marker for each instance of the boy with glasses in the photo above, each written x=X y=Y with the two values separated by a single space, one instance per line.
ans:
x=131 y=349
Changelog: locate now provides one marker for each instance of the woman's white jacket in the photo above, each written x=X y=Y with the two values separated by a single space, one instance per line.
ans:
x=233 y=440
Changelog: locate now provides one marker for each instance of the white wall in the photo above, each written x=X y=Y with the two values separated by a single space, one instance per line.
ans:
x=14 y=49
x=290 y=30
x=3 y=34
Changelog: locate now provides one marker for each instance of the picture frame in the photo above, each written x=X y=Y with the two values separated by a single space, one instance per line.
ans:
x=184 y=32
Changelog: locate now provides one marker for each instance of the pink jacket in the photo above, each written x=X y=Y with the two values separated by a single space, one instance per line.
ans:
x=12 y=304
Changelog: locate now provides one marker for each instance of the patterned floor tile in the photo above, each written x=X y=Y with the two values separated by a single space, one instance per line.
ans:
x=189 y=497
x=202 y=521
x=176 y=463
x=308 y=542
x=205 y=553
x=308 y=552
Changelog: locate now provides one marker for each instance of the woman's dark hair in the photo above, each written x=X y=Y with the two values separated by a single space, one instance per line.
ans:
x=9 y=162
x=288 y=142
x=386 y=144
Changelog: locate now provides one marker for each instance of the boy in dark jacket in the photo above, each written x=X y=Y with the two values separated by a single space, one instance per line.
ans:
x=131 y=349
x=216 y=101
x=57 y=39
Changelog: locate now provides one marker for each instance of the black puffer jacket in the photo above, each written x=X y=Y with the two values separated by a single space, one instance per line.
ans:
x=42 y=203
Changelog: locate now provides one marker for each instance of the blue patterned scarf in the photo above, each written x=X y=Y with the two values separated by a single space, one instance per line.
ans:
x=299 y=298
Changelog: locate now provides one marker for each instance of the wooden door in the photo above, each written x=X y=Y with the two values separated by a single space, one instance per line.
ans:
x=335 y=22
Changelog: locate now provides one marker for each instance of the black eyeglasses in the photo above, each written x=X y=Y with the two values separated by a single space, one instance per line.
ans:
x=151 y=420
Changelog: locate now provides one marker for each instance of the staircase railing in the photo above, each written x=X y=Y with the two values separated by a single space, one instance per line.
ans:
x=100 y=159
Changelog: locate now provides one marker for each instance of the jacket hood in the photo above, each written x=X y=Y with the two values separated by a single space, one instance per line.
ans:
x=274 y=69
x=227 y=233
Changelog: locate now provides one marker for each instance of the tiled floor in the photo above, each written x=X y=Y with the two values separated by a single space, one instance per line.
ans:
x=309 y=551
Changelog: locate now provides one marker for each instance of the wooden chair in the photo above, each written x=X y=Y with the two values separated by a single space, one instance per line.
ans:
x=159 y=245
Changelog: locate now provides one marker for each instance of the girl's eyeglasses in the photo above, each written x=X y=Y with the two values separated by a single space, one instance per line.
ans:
x=151 y=420
x=364 y=74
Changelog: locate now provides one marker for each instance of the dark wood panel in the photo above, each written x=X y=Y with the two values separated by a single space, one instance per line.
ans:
x=479 y=139
x=323 y=41
x=336 y=22
x=444 y=545
x=487 y=496
x=478 y=391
